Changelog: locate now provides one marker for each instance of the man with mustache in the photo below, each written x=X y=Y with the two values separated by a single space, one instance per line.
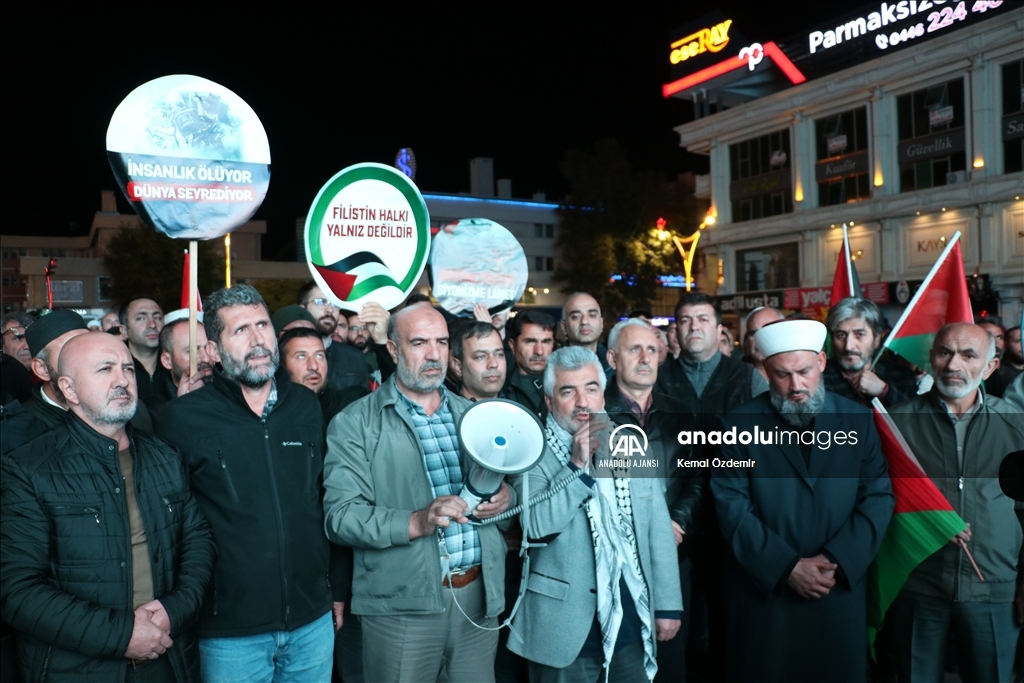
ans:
x=632 y=397
x=478 y=359
x=303 y=355
x=13 y=326
x=253 y=442
x=803 y=498
x=348 y=365
x=856 y=327
x=960 y=435
x=106 y=556
x=531 y=337
x=605 y=588
x=392 y=479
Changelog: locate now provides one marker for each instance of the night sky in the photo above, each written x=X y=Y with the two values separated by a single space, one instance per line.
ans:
x=518 y=83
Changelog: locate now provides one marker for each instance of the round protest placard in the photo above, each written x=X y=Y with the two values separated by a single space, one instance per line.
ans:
x=476 y=260
x=191 y=156
x=367 y=236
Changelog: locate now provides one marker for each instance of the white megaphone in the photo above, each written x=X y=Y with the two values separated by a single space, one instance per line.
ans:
x=499 y=437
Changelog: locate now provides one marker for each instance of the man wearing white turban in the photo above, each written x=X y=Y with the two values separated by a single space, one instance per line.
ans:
x=803 y=498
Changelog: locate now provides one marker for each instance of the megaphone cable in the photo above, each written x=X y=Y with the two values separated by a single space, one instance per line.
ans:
x=523 y=507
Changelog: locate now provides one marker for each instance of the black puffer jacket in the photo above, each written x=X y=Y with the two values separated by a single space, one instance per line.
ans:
x=65 y=552
x=258 y=481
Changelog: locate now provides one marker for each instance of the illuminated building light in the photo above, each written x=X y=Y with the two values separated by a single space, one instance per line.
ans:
x=711 y=217
x=771 y=50
x=492 y=200
x=878 y=178
x=798 y=193
x=979 y=163
x=547 y=291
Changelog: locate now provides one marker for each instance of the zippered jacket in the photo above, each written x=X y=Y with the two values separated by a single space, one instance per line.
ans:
x=257 y=481
x=972 y=488
x=65 y=552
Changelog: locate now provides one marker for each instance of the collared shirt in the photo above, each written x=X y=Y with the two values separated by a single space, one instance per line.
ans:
x=960 y=425
x=268 y=407
x=640 y=413
x=440 y=444
x=49 y=400
x=699 y=372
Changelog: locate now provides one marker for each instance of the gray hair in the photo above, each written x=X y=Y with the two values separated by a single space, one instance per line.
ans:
x=571 y=358
x=853 y=307
x=239 y=295
x=613 y=336
x=990 y=353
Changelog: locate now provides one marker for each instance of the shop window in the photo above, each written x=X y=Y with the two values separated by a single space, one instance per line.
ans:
x=932 y=140
x=761 y=178
x=1013 y=116
x=105 y=288
x=774 y=267
x=842 y=156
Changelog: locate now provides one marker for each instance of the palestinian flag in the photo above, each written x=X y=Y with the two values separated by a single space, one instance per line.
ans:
x=922 y=522
x=846 y=283
x=941 y=300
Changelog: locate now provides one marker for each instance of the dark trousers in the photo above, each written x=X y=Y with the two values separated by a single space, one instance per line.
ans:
x=627 y=667
x=984 y=634
x=348 y=648
x=153 y=671
x=672 y=653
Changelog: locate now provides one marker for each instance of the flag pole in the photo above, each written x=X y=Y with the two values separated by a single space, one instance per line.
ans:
x=849 y=263
x=917 y=295
x=193 y=304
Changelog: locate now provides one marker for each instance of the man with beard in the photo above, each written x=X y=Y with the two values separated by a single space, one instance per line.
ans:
x=393 y=478
x=532 y=339
x=106 y=556
x=253 y=443
x=583 y=324
x=605 y=588
x=348 y=365
x=803 y=499
x=46 y=338
x=856 y=327
x=960 y=435
x=175 y=358
x=142 y=319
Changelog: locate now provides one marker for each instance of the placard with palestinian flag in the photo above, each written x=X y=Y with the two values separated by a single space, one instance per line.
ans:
x=367 y=236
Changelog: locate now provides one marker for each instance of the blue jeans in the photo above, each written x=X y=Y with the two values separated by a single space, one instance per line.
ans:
x=304 y=655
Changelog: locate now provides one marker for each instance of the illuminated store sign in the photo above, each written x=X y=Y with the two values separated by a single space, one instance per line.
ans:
x=711 y=39
x=930 y=146
x=851 y=164
x=935 y=15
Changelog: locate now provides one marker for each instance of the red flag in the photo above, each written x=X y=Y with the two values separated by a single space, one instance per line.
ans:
x=184 y=288
x=846 y=283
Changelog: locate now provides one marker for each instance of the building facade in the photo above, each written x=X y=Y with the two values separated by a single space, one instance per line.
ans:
x=913 y=133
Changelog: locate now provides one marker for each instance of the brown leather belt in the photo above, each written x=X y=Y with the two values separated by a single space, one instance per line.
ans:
x=462 y=578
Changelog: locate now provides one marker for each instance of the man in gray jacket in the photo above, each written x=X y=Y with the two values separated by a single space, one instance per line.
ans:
x=392 y=481
x=961 y=435
x=606 y=585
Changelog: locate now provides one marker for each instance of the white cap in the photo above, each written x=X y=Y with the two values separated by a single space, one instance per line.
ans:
x=180 y=314
x=790 y=335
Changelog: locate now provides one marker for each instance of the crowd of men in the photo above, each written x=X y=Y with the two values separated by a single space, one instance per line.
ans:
x=290 y=509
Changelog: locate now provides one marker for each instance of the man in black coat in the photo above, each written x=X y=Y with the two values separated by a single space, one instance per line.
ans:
x=253 y=444
x=856 y=327
x=631 y=398
x=105 y=554
x=803 y=498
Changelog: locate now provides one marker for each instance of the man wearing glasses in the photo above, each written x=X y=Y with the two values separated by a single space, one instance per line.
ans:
x=346 y=365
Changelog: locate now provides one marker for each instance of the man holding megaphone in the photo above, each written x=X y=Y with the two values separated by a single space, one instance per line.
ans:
x=393 y=475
